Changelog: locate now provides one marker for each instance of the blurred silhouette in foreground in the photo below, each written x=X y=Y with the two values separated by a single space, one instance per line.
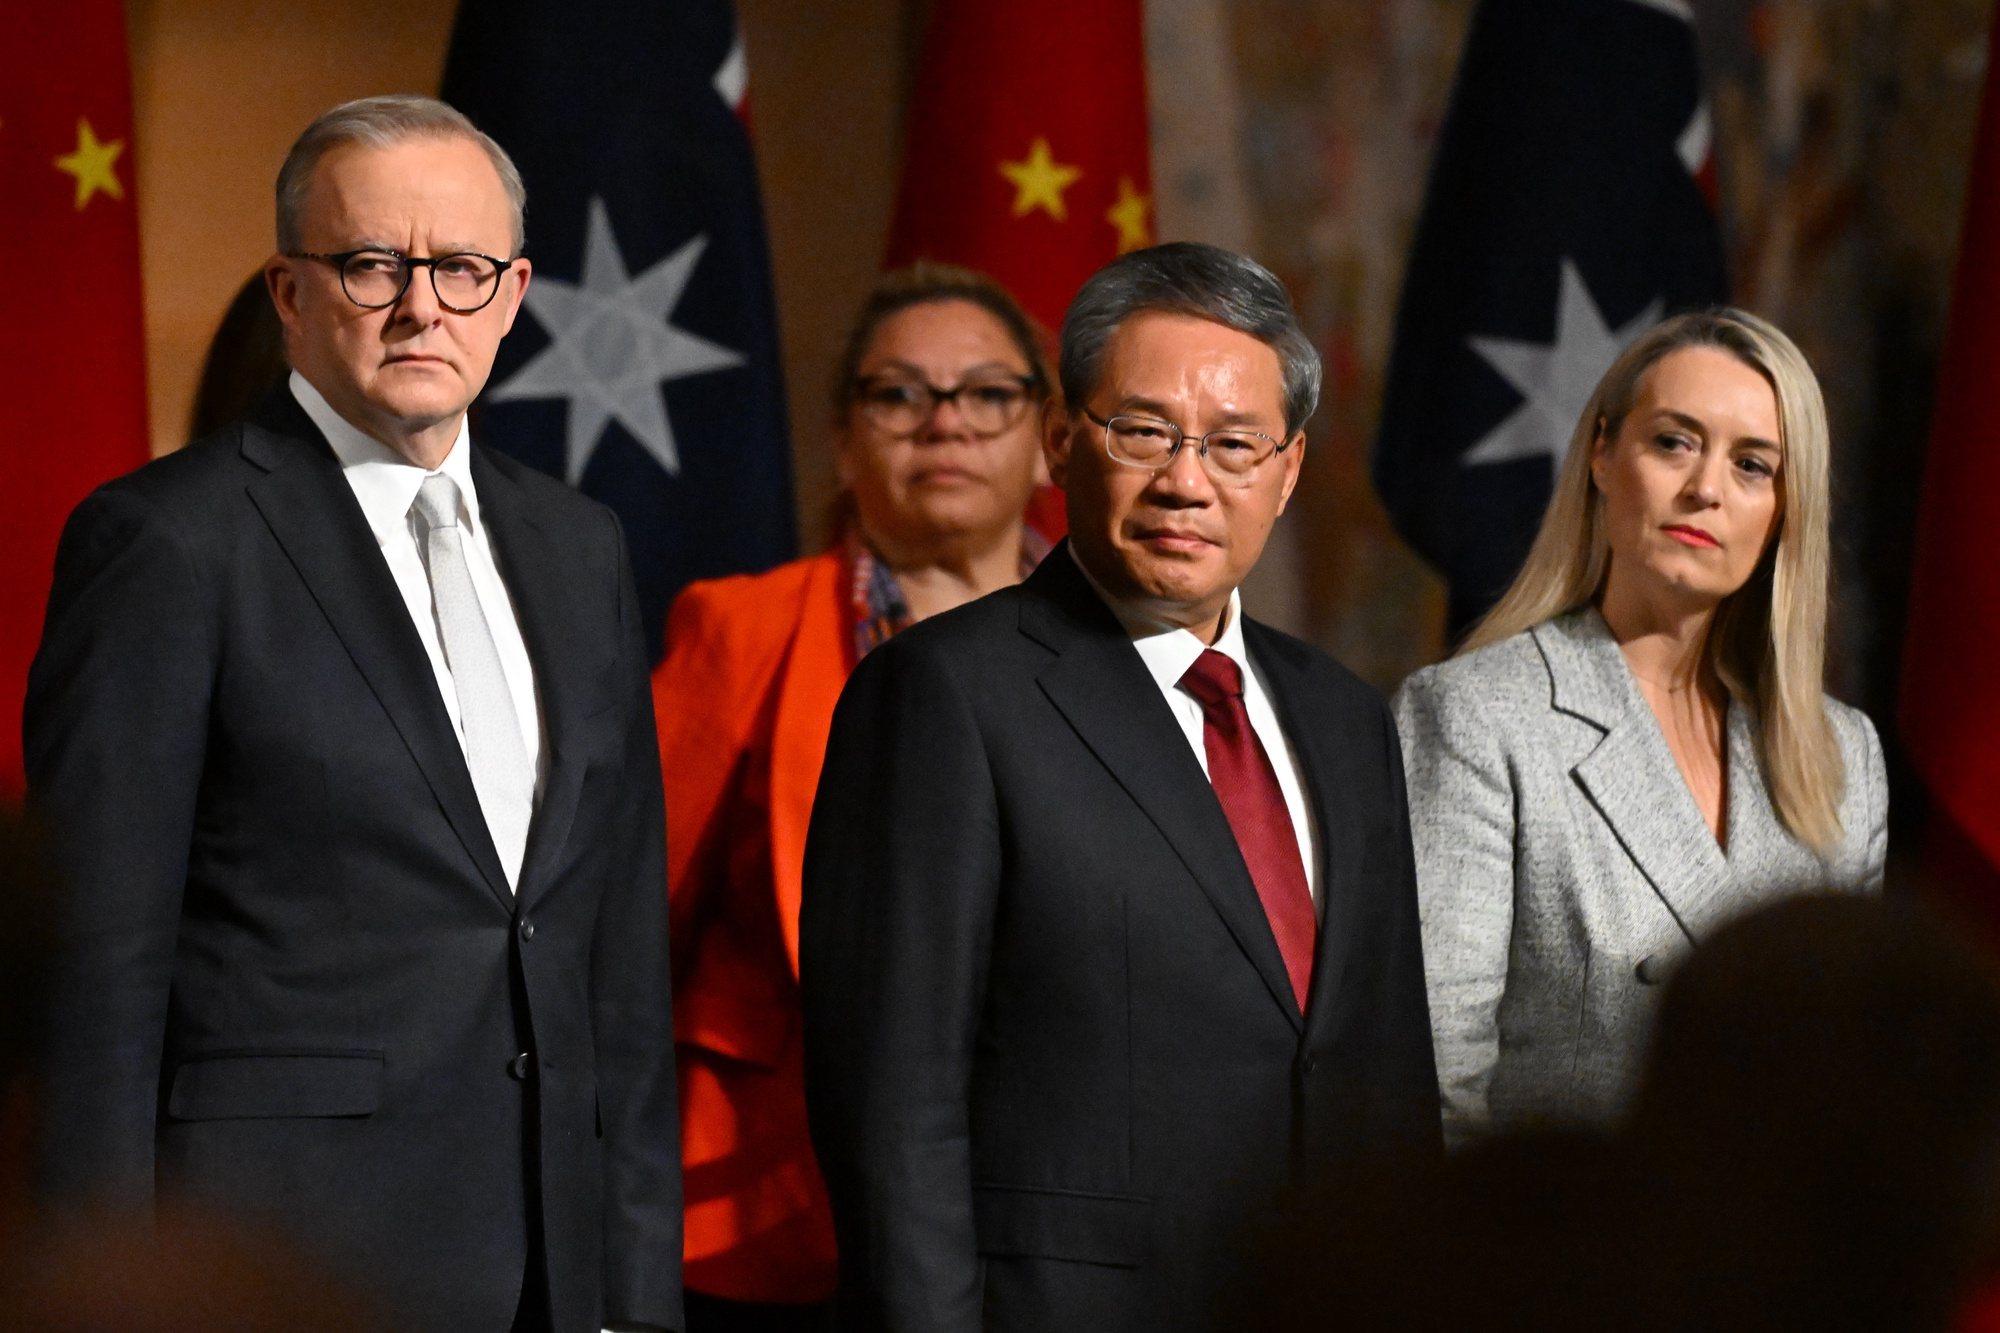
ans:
x=1823 y=1098
x=1815 y=1145
x=27 y=936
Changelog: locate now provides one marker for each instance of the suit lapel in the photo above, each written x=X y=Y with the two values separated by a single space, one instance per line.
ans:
x=1631 y=777
x=314 y=517
x=1325 y=745
x=535 y=570
x=1103 y=690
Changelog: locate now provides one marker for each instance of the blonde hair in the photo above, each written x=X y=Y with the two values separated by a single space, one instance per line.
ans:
x=1767 y=642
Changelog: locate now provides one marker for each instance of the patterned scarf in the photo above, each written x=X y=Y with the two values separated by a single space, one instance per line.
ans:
x=876 y=607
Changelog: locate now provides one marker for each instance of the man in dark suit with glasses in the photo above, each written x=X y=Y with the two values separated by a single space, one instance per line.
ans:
x=343 y=728
x=1109 y=930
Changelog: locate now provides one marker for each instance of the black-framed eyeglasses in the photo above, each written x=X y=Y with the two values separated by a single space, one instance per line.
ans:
x=376 y=279
x=1148 y=442
x=989 y=404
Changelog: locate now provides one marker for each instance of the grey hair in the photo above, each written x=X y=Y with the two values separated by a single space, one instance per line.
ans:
x=1189 y=278
x=383 y=122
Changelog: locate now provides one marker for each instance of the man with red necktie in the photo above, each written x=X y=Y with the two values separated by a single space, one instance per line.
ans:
x=1109 y=930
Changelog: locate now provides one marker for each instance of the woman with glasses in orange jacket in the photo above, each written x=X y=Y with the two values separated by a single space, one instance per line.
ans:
x=937 y=414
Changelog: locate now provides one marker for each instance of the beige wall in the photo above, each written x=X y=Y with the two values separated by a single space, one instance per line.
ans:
x=221 y=87
x=828 y=79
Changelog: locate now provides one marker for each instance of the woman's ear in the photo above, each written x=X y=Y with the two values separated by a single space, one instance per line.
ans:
x=843 y=457
x=1600 y=450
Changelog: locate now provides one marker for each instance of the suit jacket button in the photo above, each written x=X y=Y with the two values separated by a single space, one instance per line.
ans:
x=1651 y=971
x=1307 y=1065
x=520 y=1067
x=527 y=929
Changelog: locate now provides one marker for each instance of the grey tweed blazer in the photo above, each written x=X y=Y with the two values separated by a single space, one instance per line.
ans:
x=1563 y=866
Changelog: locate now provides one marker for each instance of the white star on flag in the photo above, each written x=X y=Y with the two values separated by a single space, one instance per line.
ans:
x=1555 y=380
x=614 y=346
x=732 y=77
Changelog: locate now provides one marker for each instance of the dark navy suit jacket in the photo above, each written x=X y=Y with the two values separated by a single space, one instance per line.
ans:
x=1056 y=1073
x=296 y=985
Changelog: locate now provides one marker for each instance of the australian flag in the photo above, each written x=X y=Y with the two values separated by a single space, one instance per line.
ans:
x=1568 y=209
x=644 y=368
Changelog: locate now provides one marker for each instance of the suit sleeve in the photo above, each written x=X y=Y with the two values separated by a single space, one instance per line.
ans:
x=1462 y=824
x=115 y=736
x=901 y=880
x=631 y=1013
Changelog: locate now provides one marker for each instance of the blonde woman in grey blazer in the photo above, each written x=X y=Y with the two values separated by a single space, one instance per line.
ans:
x=1634 y=746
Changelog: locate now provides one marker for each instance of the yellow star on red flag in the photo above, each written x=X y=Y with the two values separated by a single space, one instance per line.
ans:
x=1039 y=181
x=1128 y=215
x=91 y=164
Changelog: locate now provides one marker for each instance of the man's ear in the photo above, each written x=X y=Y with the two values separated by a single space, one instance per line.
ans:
x=1294 y=459
x=523 y=271
x=1056 y=442
x=281 y=280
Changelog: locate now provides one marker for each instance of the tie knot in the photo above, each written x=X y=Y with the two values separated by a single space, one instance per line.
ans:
x=437 y=501
x=1214 y=680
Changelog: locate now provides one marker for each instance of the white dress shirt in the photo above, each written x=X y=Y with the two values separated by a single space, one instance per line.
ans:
x=1168 y=651
x=385 y=483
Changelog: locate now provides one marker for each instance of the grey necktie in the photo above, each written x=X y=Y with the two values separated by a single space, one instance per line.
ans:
x=493 y=748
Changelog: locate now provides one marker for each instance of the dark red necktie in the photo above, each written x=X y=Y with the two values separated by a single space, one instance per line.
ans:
x=1247 y=786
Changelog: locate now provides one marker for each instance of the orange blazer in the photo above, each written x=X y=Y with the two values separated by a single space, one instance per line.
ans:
x=744 y=700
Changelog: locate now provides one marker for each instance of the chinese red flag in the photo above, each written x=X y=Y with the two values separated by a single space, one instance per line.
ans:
x=1027 y=152
x=1950 y=710
x=1027 y=155
x=72 y=344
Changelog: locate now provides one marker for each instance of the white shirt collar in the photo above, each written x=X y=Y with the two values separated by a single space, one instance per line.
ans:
x=383 y=480
x=1168 y=650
